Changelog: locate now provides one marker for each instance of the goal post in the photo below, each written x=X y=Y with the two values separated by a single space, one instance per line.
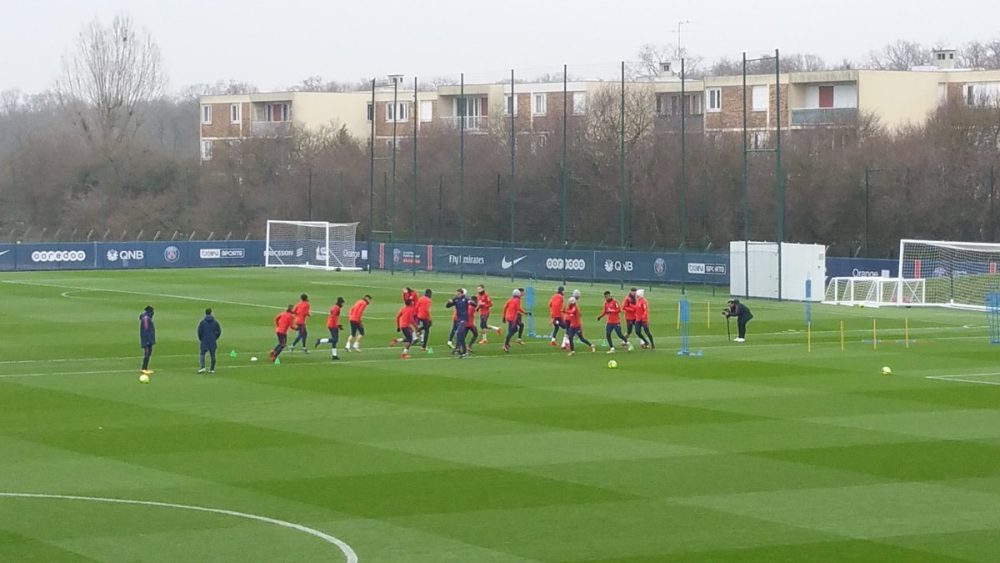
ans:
x=311 y=244
x=875 y=291
x=959 y=274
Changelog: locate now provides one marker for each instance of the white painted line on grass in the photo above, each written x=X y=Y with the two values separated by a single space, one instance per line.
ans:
x=349 y=555
x=962 y=378
x=143 y=293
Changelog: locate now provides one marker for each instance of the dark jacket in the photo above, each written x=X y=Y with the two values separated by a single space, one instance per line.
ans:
x=209 y=331
x=740 y=311
x=147 y=330
x=461 y=305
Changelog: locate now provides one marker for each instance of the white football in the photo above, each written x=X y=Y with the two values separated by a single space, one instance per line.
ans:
x=253 y=359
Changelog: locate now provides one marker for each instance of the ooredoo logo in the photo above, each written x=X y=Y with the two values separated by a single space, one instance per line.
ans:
x=58 y=256
x=171 y=254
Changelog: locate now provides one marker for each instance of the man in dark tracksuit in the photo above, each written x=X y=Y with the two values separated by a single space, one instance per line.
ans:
x=209 y=332
x=147 y=338
x=743 y=316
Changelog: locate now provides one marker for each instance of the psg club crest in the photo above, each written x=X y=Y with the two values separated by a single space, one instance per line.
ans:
x=660 y=267
x=171 y=254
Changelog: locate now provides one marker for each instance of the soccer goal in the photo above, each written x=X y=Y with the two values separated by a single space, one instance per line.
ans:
x=958 y=274
x=875 y=292
x=311 y=244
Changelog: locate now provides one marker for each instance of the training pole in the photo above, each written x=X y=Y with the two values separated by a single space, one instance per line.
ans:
x=809 y=338
x=841 y=336
x=708 y=315
x=678 y=316
x=874 y=336
x=906 y=332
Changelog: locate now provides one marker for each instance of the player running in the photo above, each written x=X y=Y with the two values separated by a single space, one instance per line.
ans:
x=484 y=304
x=470 y=324
x=512 y=312
x=613 y=312
x=424 y=318
x=333 y=325
x=574 y=326
x=461 y=305
x=282 y=322
x=404 y=324
x=301 y=312
x=555 y=313
x=357 y=325
x=642 y=319
x=628 y=307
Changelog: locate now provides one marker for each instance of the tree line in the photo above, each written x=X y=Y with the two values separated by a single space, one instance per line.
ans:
x=120 y=158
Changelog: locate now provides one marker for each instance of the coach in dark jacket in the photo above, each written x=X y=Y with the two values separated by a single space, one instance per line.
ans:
x=743 y=315
x=209 y=332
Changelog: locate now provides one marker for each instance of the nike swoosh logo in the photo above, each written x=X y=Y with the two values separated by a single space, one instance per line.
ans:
x=4 y=252
x=508 y=264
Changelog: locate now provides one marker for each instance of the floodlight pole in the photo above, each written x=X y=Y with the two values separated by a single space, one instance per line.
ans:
x=746 y=187
x=683 y=179
x=371 y=179
x=416 y=119
x=621 y=166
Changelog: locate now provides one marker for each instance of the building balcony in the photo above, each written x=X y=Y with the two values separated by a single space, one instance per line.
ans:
x=824 y=116
x=270 y=128
x=673 y=122
x=472 y=122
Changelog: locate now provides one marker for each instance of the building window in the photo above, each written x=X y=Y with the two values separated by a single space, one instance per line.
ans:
x=206 y=150
x=371 y=111
x=982 y=94
x=510 y=104
x=234 y=113
x=826 y=96
x=579 y=103
x=401 y=113
x=206 y=114
x=694 y=105
x=426 y=111
x=758 y=98
x=278 y=112
x=714 y=97
x=538 y=104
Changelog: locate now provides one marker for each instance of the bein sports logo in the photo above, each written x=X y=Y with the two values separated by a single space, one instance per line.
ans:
x=58 y=256
x=171 y=254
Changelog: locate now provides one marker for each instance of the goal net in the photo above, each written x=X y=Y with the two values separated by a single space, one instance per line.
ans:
x=311 y=244
x=958 y=274
x=875 y=292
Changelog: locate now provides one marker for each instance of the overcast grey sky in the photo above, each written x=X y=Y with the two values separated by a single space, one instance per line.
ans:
x=277 y=43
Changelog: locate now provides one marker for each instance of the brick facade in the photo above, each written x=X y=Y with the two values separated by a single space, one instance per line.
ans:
x=221 y=126
x=731 y=115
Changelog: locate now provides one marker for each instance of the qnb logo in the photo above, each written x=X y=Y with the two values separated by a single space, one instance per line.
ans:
x=58 y=256
x=573 y=264
x=618 y=266
x=123 y=255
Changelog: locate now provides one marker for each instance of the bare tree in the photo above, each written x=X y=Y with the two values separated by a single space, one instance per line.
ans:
x=652 y=56
x=106 y=84
x=899 y=55
x=981 y=54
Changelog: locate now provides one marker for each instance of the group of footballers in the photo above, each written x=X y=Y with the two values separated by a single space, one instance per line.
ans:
x=413 y=322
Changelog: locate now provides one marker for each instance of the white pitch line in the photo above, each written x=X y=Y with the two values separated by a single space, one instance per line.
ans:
x=960 y=377
x=349 y=555
x=143 y=293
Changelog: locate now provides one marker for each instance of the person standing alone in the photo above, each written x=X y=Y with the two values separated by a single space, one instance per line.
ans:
x=209 y=331
x=147 y=338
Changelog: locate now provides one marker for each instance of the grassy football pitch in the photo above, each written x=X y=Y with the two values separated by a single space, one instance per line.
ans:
x=760 y=451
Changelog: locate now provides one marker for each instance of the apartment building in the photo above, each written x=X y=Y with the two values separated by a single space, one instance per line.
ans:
x=807 y=101
x=836 y=99
x=232 y=118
